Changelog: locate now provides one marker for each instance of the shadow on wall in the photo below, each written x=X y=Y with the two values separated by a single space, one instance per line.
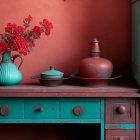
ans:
x=111 y=26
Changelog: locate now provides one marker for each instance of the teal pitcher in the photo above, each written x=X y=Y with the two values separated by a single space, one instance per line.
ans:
x=9 y=73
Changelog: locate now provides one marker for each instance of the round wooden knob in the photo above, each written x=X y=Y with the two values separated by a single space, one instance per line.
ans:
x=41 y=109
x=121 y=138
x=121 y=109
x=78 y=110
x=5 y=110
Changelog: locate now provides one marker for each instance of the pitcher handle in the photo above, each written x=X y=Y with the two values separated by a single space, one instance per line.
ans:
x=22 y=59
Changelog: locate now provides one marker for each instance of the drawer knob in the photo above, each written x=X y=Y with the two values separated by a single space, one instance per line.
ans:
x=78 y=110
x=41 y=109
x=121 y=109
x=121 y=138
x=5 y=110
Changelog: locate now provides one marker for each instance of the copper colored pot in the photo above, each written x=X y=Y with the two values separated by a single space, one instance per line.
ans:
x=95 y=66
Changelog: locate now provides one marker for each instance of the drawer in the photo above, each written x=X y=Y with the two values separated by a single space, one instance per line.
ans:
x=41 y=109
x=83 y=109
x=121 y=111
x=120 y=134
x=11 y=110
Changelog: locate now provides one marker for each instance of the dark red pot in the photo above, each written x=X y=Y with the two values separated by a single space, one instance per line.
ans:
x=95 y=66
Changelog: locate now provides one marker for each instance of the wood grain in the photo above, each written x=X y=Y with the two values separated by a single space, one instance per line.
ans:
x=118 y=90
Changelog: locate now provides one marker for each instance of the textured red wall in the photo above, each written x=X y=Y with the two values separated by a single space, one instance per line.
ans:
x=75 y=22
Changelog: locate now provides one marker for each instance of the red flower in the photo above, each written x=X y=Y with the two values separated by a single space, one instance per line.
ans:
x=19 y=30
x=37 y=30
x=10 y=28
x=47 y=31
x=28 y=19
x=20 y=45
x=47 y=25
x=3 y=47
x=19 y=38
x=33 y=44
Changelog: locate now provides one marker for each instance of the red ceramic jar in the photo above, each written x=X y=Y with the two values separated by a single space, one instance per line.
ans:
x=95 y=66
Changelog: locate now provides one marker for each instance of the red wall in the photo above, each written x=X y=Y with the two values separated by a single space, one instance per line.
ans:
x=75 y=22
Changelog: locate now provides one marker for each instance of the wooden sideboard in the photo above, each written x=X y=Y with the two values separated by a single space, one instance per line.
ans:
x=116 y=108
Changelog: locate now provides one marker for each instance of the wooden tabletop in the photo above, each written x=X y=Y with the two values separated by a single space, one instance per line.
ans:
x=117 y=90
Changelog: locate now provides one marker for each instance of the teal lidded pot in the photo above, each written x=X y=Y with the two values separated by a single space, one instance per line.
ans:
x=52 y=73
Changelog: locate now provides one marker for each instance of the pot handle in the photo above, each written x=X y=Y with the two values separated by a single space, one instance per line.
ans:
x=22 y=59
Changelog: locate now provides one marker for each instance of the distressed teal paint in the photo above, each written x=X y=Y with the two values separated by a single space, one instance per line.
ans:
x=91 y=109
x=51 y=109
x=136 y=41
x=120 y=126
x=17 y=110
x=50 y=121
x=27 y=108
x=102 y=118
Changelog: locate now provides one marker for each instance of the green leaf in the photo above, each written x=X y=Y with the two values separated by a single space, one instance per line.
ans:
x=34 y=40
x=22 y=34
x=5 y=35
x=38 y=37
x=31 y=50
x=31 y=37
x=26 y=37
x=34 y=33
x=26 y=25
x=43 y=28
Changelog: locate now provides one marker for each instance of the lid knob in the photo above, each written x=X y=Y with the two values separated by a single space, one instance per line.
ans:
x=51 y=67
x=95 y=40
x=95 y=48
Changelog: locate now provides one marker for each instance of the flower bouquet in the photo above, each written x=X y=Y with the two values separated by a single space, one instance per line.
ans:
x=20 y=39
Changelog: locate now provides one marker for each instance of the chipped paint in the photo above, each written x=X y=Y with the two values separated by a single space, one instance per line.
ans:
x=94 y=121
x=35 y=106
x=120 y=126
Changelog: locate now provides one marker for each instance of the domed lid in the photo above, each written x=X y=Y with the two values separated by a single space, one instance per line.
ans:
x=52 y=72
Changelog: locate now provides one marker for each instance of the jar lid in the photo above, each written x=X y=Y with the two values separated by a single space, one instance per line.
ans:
x=52 y=72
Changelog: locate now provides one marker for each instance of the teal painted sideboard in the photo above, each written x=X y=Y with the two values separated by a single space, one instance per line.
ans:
x=111 y=107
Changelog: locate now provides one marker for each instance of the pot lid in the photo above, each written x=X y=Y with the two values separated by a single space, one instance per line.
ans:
x=52 y=71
